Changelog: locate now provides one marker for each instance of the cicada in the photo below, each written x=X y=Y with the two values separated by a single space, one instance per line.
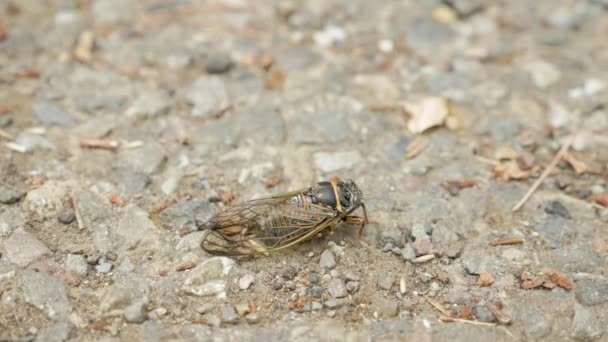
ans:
x=270 y=224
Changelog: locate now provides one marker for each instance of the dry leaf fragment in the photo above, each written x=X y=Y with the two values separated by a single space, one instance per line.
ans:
x=501 y=317
x=227 y=197
x=28 y=73
x=186 y=265
x=560 y=280
x=466 y=312
x=426 y=113
x=511 y=170
x=272 y=182
x=578 y=166
x=453 y=186
x=485 y=279
x=162 y=206
x=599 y=199
x=116 y=199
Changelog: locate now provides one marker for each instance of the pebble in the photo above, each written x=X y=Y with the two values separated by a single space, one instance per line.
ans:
x=558 y=209
x=77 y=264
x=246 y=281
x=93 y=208
x=336 y=288
x=204 y=308
x=585 y=325
x=385 y=281
x=590 y=293
x=67 y=216
x=133 y=182
x=22 y=248
x=543 y=74
x=113 y=11
x=483 y=314
x=209 y=278
x=316 y=291
x=334 y=303
x=49 y=113
x=393 y=236
x=212 y=320
x=351 y=276
x=253 y=318
x=58 y=332
x=422 y=246
x=242 y=309
x=9 y=195
x=476 y=264
x=207 y=95
x=147 y=159
x=352 y=286
x=115 y=298
x=136 y=232
x=11 y=219
x=149 y=104
x=555 y=230
x=385 y=307
x=328 y=162
x=47 y=200
x=408 y=253
x=536 y=325
x=218 y=63
x=229 y=315
x=316 y=306
x=31 y=142
x=46 y=293
x=137 y=312
x=327 y=259
x=103 y=266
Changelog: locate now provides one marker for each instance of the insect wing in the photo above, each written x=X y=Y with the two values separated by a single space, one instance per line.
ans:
x=264 y=225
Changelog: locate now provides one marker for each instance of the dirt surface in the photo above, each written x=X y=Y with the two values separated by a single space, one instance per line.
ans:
x=123 y=123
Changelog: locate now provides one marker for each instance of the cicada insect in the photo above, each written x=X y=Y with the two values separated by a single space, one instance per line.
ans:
x=270 y=224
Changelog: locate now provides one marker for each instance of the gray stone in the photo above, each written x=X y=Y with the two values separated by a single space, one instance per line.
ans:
x=334 y=303
x=149 y=104
x=113 y=11
x=543 y=74
x=9 y=195
x=352 y=286
x=67 y=216
x=392 y=235
x=103 y=266
x=137 y=312
x=22 y=248
x=423 y=34
x=336 y=288
x=422 y=246
x=585 y=325
x=133 y=182
x=305 y=128
x=147 y=159
x=591 y=293
x=212 y=320
x=475 y=264
x=11 y=219
x=154 y=331
x=555 y=230
x=186 y=214
x=46 y=293
x=209 y=278
x=253 y=318
x=261 y=124
x=77 y=264
x=135 y=231
x=31 y=142
x=58 y=332
x=385 y=307
x=484 y=314
x=229 y=314
x=327 y=259
x=218 y=63
x=385 y=281
x=52 y=114
x=115 y=299
x=504 y=129
x=93 y=208
x=47 y=200
x=328 y=162
x=207 y=95
x=558 y=209
x=246 y=281
x=466 y=7
x=408 y=253
x=419 y=231
x=316 y=291
x=94 y=103
x=536 y=324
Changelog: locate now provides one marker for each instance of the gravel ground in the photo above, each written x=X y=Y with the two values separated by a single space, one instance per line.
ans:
x=124 y=122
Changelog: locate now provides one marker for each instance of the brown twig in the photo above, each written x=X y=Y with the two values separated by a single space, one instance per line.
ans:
x=558 y=156
x=77 y=214
x=111 y=145
x=468 y=321
x=507 y=241
x=438 y=306
x=6 y=135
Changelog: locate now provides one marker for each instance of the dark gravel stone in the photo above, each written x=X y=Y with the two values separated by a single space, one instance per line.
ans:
x=229 y=315
x=9 y=195
x=558 y=209
x=289 y=272
x=316 y=291
x=52 y=114
x=591 y=293
x=218 y=63
x=67 y=216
